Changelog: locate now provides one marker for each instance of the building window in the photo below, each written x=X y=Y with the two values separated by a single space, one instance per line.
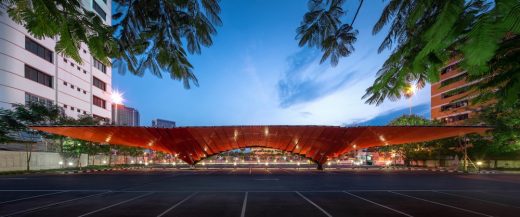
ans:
x=455 y=118
x=79 y=89
x=65 y=60
x=454 y=92
x=35 y=48
x=72 y=86
x=99 y=10
x=84 y=92
x=100 y=66
x=64 y=106
x=84 y=71
x=65 y=83
x=30 y=98
x=72 y=64
x=72 y=108
x=449 y=68
x=454 y=79
x=454 y=105
x=38 y=76
x=99 y=84
x=99 y=102
x=79 y=69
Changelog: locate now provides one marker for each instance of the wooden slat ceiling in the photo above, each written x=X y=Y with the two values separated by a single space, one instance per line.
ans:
x=319 y=143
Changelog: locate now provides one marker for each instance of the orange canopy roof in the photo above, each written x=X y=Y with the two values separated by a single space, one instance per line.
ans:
x=318 y=143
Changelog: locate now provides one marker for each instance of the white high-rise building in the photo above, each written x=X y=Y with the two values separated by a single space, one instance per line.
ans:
x=31 y=70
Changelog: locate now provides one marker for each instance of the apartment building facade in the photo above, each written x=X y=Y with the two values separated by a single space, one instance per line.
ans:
x=31 y=70
x=451 y=96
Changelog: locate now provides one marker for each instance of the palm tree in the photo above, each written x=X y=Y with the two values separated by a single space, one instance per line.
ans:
x=322 y=27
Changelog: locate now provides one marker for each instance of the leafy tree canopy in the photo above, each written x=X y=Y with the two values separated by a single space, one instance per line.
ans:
x=425 y=34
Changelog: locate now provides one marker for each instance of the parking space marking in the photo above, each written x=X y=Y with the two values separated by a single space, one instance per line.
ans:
x=381 y=205
x=442 y=204
x=243 y=213
x=31 y=197
x=40 y=190
x=315 y=205
x=177 y=204
x=477 y=199
x=53 y=204
x=108 y=207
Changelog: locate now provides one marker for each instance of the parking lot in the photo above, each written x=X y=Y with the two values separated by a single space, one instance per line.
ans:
x=260 y=192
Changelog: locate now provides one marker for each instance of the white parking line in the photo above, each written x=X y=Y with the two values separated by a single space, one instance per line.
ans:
x=442 y=204
x=53 y=204
x=243 y=213
x=31 y=197
x=108 y=207
x=381 y=205
x=316 y=205
x=477 y=199
x=177 y=204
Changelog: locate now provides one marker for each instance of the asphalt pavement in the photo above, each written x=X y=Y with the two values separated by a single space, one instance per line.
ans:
x=260 y=192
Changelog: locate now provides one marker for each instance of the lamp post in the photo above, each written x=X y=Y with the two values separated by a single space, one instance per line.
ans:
x=479 y=164
x=117 y=98
x=409 y=92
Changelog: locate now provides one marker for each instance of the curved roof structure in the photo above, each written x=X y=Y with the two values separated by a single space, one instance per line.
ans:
x=318 y=143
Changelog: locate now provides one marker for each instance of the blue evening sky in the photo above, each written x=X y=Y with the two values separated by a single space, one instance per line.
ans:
x=255 y=73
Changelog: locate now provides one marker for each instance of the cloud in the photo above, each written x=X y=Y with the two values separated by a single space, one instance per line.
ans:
x=306 y=80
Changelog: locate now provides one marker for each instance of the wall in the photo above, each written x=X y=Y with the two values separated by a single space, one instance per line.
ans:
x=16 y=160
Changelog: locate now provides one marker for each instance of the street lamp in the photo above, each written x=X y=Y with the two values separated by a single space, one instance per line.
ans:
x=409 y=92
x=117 y=98
x=479 y=164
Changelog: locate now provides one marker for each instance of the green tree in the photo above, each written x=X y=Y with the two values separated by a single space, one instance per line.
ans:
x=18 y=120
x=421 y=150
x=146 y=36
x=424 y=35
x=323 y=27
x=504 y=139
x=73 y=148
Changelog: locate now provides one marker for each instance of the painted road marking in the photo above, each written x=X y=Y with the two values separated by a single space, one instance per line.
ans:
x=477 y=199
x=381 y=205
x=108 y=207
x=243 y=213
x=316 y=205
x=177 y=204
x=31 y=197
x=442 y=204
x=53 y=204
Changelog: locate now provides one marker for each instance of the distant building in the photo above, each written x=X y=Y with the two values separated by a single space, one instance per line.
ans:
x=163 y=123
x=126 y=116
x=451 y=96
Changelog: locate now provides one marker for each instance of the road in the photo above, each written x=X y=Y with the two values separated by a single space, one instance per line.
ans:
x=260 y=192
